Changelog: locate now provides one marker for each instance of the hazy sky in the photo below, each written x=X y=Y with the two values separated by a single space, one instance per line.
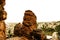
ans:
x=45 y=10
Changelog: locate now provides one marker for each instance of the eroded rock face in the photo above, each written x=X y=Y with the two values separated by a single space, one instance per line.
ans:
x=17 y=29
x=1 y=8
x=38 y=35
x=2 y=2
x=3 y=16
x=28 y=25
x=29 y=21
x=28 y=28
x=2 y=30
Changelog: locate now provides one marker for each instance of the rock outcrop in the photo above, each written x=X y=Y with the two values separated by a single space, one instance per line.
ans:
x=17 y=29
x=28 y=29
x=3 y=16
x=2 y=2
x=38 y=35
x=29 y=22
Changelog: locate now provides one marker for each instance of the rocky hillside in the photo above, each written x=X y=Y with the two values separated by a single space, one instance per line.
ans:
x=48 y=24
x=10 y=26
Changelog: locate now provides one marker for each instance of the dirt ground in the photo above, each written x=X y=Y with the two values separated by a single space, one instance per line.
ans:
x=17 y=38
x=14 y=38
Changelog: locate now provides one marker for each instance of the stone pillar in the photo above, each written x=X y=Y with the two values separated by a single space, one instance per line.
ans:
x=29 y=22
x=29 y=27
x=3 y=16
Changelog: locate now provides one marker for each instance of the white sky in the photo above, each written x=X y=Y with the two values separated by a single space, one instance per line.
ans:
x=45 y=10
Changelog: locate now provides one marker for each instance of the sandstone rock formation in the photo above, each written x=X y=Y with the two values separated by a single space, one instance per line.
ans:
x=28 y=25
x=29 y=21
x=38 y=35
x=17 y=29
x=2 y=2
x=28 y=29
x=3 y=16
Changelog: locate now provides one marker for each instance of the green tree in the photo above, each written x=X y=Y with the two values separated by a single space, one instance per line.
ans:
x=10 y=35
x=50 y=30
x=57 y=29
x=43 y=28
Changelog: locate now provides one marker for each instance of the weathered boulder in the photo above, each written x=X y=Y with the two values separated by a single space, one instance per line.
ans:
x=17 y=29
x=2 y=30
x=38 y=35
